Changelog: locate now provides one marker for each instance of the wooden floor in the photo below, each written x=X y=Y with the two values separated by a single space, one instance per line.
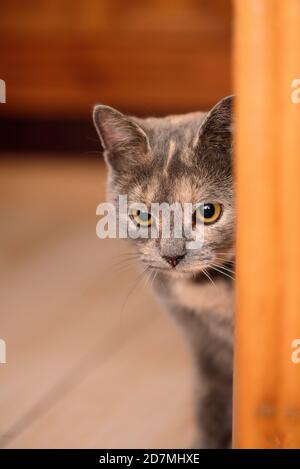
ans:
x=90 y=363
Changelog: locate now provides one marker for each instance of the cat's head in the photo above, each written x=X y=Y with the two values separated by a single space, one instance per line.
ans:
x=177 y=159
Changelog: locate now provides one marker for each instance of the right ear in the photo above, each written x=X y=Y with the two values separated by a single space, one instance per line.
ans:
x=123 y=140
x=215 y=136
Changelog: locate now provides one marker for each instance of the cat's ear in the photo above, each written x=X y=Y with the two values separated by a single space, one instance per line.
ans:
x=123 y=140
x=215 y=135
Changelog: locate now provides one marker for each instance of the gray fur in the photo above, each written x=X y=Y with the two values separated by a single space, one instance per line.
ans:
x=185 y=159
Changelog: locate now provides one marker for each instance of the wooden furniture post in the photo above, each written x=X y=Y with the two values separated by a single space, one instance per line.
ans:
x=266 y=380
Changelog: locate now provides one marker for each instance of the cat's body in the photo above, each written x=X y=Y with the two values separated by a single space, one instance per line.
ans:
x=204 y=311
x=185 y=159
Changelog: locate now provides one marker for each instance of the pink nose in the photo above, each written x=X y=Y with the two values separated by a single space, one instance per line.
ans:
x=173 y=261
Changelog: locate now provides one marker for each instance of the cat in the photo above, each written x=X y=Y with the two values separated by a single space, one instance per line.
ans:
x=185 y=158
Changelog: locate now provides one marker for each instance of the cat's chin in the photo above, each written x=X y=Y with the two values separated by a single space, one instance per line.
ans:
x=182 y=274
x=178 y=273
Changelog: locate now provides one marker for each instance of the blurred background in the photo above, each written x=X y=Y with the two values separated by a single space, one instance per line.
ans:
x=91 y=360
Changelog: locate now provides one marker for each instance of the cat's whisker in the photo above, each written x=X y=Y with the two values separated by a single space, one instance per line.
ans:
x=121 y=266
x=223 y=262
x=122 y=263
x=209 y=277
x=112 y=269
x=156 y=272
x=222 y=272
x=120 y=270
x=223 y=267
x=233 y=251
x=125 y=259
x=127 y=255
x=148 y=276
x=136 y=283
x=152 y=276
x=224 y=258
x=226 y=268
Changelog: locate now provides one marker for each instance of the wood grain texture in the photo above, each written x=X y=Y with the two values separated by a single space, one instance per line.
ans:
x=267 y=59
x=87 y=365
x=59 y=58
x=289 y=402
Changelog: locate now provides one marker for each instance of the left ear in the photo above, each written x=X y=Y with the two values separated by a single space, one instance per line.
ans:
x=215 y=135
x=124 y=142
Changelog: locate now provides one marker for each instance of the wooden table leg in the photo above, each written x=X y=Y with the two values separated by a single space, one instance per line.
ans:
x=267 y=382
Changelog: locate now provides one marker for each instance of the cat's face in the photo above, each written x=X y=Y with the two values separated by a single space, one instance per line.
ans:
x=177 y=159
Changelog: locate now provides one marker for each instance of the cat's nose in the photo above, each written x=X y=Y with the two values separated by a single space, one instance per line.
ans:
x=173 y=260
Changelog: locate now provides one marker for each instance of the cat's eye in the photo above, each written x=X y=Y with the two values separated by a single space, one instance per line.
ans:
x=141 y=218
x=207 y=213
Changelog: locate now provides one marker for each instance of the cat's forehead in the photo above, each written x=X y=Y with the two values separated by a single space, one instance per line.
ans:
x=189 y=187
x=173 y=140
x=179 y=128
x=160 y=188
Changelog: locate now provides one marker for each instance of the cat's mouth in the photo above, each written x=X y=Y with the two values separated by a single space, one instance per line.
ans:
x=209 y=269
